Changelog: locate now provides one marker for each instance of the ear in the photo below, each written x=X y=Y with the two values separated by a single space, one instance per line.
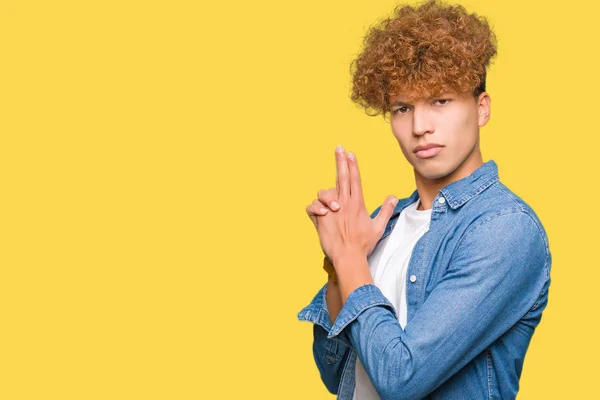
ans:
x=483 y=108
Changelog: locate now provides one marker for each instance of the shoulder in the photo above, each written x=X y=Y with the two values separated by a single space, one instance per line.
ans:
x=499 y=220
x=499 y=206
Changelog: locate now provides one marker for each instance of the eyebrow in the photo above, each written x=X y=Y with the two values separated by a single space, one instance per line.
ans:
x=404 y=104
x=400 y=103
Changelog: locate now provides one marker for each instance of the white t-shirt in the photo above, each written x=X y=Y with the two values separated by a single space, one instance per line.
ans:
x=388 y=264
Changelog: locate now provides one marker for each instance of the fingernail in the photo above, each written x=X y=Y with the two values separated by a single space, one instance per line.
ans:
x=323 y=210
x=335 y=205
x=339 y=148
x=351 y=155
x=394 y=201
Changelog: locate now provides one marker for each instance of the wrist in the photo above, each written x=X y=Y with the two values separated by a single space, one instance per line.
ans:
x=328 y=267
x=353 y=272
x=348 y=257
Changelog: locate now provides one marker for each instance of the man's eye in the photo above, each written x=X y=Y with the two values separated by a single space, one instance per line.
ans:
x=445 y=101
x=401 y=110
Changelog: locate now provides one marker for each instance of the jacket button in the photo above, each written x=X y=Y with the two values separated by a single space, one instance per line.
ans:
x=441 y=200
x=413 y=278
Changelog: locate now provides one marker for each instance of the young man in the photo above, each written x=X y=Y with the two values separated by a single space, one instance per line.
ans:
x=436 y=295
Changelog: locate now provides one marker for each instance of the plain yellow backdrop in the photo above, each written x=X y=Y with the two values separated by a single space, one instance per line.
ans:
x=157 y=157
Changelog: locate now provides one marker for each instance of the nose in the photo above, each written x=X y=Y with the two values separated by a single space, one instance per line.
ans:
x=422 y=124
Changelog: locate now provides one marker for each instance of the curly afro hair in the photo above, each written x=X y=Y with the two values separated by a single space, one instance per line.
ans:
x=421 y=52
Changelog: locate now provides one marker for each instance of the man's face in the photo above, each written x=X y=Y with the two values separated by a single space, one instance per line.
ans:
x=451 y=120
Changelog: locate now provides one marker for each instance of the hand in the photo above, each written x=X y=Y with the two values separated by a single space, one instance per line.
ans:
x=325 y=198
x=351 y=230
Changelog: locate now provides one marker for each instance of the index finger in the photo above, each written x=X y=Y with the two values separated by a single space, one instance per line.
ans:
x=342 y=180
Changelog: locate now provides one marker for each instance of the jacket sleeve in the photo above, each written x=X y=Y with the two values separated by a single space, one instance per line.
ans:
x=330 y=354
x=497 y=274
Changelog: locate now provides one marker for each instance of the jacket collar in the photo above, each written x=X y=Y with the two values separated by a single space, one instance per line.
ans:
x=459 y=192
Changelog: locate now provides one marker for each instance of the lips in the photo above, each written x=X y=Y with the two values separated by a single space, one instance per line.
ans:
x=428 y=150
x=425 y=147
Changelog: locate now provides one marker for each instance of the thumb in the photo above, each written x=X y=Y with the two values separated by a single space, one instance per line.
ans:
x=384 y=215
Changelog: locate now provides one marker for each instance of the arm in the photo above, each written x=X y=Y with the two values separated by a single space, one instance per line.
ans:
x=334 y=300
x=495 y=277
x=330 y=354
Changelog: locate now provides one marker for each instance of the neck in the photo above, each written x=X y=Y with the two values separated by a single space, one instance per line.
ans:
x=429 y=188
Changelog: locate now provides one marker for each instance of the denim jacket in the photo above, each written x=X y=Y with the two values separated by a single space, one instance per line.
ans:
x=477 y=283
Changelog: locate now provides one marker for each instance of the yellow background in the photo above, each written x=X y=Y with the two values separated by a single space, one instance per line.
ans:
x=156 y=159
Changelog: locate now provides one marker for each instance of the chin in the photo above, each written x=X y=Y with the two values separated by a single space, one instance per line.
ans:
x=433 y=172
x=438 y=176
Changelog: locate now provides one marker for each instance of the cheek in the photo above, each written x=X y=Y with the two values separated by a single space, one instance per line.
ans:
x=470 y=119
x=465 y=128
x=402 y=136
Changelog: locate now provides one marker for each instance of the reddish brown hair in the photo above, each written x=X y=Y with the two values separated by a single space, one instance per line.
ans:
x=420 y=52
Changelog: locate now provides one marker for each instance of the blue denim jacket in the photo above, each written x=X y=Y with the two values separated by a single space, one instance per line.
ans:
x=482 y=278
